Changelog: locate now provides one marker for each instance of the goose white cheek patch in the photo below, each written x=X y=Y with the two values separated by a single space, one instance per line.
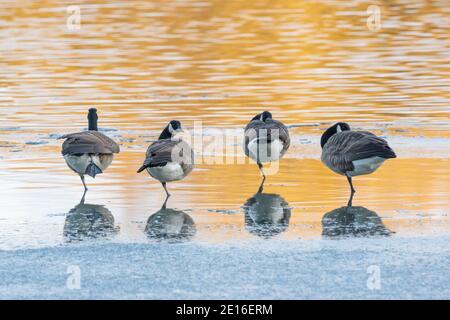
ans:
x=339 y=129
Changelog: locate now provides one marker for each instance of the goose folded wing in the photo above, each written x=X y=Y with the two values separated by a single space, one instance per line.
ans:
x=340 y=162
x=369 y=146
x=280 y=130
x=88 y=142
x=271 y=128
x=161 y=152
x=252 y=129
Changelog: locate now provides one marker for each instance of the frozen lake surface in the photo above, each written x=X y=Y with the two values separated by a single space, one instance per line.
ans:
x=409 y=268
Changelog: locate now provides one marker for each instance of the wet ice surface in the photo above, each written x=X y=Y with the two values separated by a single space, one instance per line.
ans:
x=410 y=268
x=224 y=243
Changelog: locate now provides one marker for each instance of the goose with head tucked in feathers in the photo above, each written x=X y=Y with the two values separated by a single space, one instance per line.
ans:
x=266 y=139
x=353 y=153
x=89 y=152
x=169 y=158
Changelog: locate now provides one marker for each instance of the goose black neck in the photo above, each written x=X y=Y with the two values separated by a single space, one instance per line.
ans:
x=338 y=127
x=92 y=118
x=165 y=134
x=324 y=139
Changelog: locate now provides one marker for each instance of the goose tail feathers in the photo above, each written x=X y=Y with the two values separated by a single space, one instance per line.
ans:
x=92 y=170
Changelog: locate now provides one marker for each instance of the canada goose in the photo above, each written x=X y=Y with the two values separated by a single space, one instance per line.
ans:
x=353 y=222
x=266 y=139
x=89 y=152
x=353 y=153
x=266 y=214
x=170 y=224
x=169 y=158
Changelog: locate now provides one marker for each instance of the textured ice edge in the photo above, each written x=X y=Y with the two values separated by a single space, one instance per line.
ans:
x=411 y=268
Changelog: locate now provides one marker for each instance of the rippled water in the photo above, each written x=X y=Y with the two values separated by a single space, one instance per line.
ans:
x=142 y=64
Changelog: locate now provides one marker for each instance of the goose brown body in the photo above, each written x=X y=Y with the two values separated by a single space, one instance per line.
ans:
x=353 y=153
x=265 y=140
x=169 y=158
x=268 y=130
x=89 y=152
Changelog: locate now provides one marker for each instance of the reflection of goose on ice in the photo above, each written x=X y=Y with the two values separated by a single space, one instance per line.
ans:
x=266 y=214
x=353 y=222
x=88 y=221
x=170 y=224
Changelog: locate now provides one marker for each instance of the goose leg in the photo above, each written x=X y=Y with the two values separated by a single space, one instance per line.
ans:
x=84 y=184
x=350 y=201
x=163 y=207
x=261 y=186
x=82 y=198
x=165 y=188
x=260 y=166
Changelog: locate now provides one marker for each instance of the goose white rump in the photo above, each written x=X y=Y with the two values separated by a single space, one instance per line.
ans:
x=79 y=163
x=366 y=166
x=172 y=171
x=266 y=152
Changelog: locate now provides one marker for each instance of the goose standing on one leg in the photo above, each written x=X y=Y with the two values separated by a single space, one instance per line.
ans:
x=266 y=140
x=353 y=153
x=169 y=158
x=89 y=152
